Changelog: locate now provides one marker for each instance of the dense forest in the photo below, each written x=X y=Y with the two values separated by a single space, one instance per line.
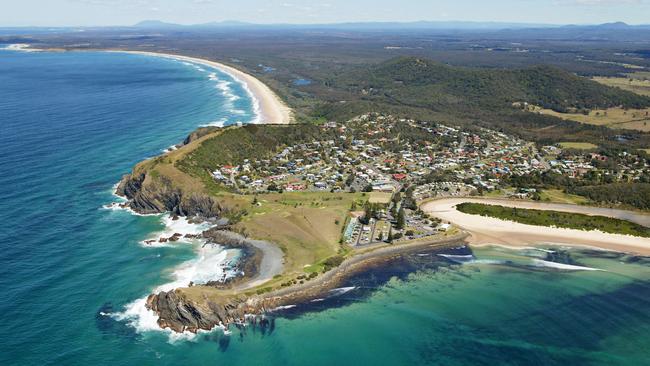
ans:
x=631 y=194
x=421 y=82
x=420 y=88
x=475 y=77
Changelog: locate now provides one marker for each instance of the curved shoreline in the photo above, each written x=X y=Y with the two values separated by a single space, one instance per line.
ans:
x=488 y=230
x=272 y=110
x=209 y=308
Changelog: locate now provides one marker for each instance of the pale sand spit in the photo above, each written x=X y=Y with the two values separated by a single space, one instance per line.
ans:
x=487 y=230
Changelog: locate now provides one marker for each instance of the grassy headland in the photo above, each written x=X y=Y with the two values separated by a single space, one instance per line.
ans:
x=556 y=219
x=636 y=82
x=614 y=117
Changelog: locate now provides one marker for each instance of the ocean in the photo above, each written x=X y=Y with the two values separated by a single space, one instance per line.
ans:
x=72 y=271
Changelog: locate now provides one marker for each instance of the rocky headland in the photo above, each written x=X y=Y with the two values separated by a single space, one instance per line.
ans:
x=182 y=310
x=157 y=186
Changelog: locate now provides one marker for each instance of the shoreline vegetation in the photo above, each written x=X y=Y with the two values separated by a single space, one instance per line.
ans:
x=552 y=218
x=494 y=231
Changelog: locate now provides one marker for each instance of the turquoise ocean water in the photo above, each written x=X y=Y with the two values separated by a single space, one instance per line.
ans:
x=73 y=123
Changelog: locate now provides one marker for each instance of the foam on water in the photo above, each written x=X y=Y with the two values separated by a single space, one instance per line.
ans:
x=458 y=258
x=341 y=290
x=284 y=307
x=23 y=47
x=218 y=123
x=568 y=267
x=225 y=87
x=182 y=225
x=118 y=206
x=213 y=263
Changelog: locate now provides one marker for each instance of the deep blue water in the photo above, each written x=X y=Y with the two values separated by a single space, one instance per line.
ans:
x=73 y=123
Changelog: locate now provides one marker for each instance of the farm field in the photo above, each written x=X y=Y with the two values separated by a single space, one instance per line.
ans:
x=616 y=118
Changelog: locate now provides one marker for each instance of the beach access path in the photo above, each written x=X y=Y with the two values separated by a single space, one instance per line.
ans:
x=488 y=230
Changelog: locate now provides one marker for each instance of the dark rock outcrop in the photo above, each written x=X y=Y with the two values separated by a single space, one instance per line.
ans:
x=249 y=263
x=179 y=314
x=148 y=195
x=198 y=133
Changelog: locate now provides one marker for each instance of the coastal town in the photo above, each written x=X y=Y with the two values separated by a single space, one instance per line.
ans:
x=325 y=182
x=400 y=162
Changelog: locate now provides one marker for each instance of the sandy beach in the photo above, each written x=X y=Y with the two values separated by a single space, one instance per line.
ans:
x=271 y=109
x=487 y=230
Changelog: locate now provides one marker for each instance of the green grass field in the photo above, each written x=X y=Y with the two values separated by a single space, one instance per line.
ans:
x=380 y=197
x=306 y=225
x=615 y=118
x=637 y=82
x=577 y=145
x=556 y=219
x=558 y=196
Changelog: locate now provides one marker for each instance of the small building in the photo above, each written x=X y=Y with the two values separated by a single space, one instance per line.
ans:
x=399 y=176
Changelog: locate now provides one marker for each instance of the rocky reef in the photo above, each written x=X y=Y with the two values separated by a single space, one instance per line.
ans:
x=200 y=132
x=180 y=312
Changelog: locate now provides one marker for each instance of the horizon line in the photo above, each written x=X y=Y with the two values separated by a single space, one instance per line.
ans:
x=239 y=23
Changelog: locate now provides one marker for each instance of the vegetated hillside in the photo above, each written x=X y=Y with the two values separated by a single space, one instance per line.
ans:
x=419 y=88
x=233 y=145
x=425 y=83
x=631 y=194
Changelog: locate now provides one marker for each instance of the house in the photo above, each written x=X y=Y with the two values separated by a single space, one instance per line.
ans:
x=218 y=175
x=228 y=169
x=294 y=187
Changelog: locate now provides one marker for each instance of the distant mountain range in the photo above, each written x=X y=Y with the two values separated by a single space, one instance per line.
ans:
x=612 y=31
x=420 y=25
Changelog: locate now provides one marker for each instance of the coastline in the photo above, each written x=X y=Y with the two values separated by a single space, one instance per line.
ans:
x=269 y=107
x=492 y=231
x=173 y=310
x=201 y=308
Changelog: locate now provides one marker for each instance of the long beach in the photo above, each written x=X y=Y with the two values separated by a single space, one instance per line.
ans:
x=272 y=110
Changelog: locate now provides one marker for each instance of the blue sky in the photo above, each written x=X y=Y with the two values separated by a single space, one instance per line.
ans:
x=127 y=12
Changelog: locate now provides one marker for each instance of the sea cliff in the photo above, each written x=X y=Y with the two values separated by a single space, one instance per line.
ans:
x=149 y=195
